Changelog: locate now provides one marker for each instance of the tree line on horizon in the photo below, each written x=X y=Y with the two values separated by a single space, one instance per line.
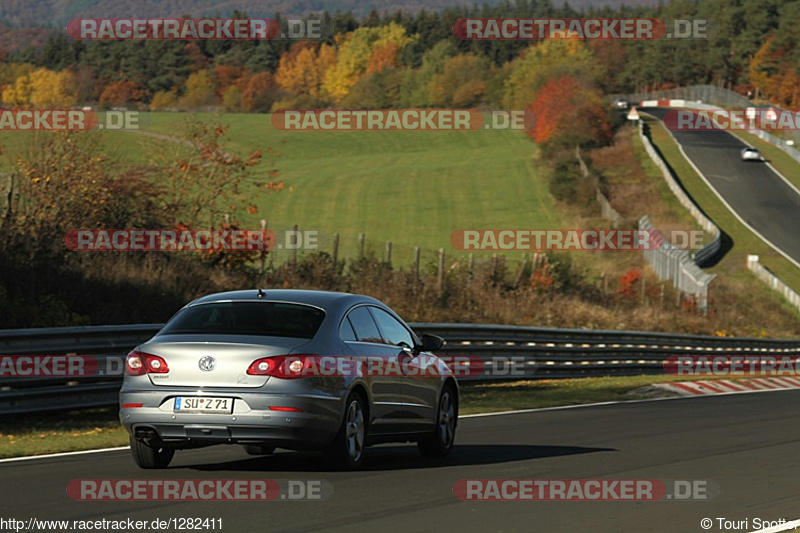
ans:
x=403 y=60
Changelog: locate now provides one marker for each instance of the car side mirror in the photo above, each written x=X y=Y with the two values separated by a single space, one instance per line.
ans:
x=431 y=343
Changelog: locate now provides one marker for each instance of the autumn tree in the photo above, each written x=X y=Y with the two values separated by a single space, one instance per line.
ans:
x=365 y=48
x=121 y=93
x=774 y=74
x=545 y=61
x=302 y=69
x=232 y=99
x=202 y=179
x=259 y=92
x=42 y=88
x=164 y=100
x=462 y=83
x=66 y=181
x=199 y=91
x=566 y=113
x=226 y=76
x=415 y=89
x=379 y=90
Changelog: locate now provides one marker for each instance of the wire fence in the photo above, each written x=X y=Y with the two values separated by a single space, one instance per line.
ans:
x=674 y=263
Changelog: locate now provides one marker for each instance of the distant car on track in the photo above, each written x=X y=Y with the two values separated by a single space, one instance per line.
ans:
x=750 y=154
x=621 y=104
x=229 y=368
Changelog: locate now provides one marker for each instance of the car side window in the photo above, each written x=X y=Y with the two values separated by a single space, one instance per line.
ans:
x=346 y=331
x=364 y=326
x=393 y=331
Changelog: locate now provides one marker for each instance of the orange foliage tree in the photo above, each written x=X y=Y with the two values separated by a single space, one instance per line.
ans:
x=302 y=69
x=566 y=113
x=774 y=74
x=120 y=93
x=258 y=92
x=462 y=82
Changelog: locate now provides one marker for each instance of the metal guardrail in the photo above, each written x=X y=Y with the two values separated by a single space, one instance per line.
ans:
x=545 y=353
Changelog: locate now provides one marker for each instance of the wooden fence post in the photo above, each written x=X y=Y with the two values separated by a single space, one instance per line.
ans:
x=263 y=254
x=335 y=249
x=294 y=248
x=440 y=277
x=521 y=272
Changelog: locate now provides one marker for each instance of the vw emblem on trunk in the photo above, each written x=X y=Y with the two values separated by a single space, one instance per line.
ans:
x=207 y=363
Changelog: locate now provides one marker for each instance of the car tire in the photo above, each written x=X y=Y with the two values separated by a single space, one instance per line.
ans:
x=149 y=457
x=346 y=451
x=440 y=442
x=256 y=449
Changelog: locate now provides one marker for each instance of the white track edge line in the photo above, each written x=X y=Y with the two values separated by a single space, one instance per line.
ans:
x=62 y=454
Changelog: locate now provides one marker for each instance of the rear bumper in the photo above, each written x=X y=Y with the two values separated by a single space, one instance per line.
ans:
x=251 y=422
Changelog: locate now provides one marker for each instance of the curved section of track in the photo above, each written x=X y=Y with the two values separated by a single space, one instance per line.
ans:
x=753 y=190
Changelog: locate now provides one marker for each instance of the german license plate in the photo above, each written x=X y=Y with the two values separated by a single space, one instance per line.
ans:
x=203 y=405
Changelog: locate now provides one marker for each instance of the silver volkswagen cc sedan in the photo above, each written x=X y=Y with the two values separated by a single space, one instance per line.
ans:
x=293 y=369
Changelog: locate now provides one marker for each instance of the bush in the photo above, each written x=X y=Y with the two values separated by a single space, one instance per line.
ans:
x=564 y=180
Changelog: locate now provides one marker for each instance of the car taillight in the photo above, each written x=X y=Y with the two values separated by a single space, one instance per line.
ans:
x=282 y=366
x=140 y=363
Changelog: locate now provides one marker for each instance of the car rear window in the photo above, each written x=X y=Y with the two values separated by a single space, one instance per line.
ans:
x=275 y=319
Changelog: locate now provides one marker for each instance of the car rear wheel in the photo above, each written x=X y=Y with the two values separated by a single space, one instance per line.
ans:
x=255 y=449
x=440 y=442
x=346 y=452
x=148 y=457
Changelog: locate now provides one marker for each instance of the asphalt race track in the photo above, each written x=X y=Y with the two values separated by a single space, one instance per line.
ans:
x=756 y=193
x=746 y=444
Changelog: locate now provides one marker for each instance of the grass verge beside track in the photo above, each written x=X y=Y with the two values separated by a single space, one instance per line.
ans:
x=90 y=429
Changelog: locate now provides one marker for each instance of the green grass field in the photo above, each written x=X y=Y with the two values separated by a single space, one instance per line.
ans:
x=413 y=188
